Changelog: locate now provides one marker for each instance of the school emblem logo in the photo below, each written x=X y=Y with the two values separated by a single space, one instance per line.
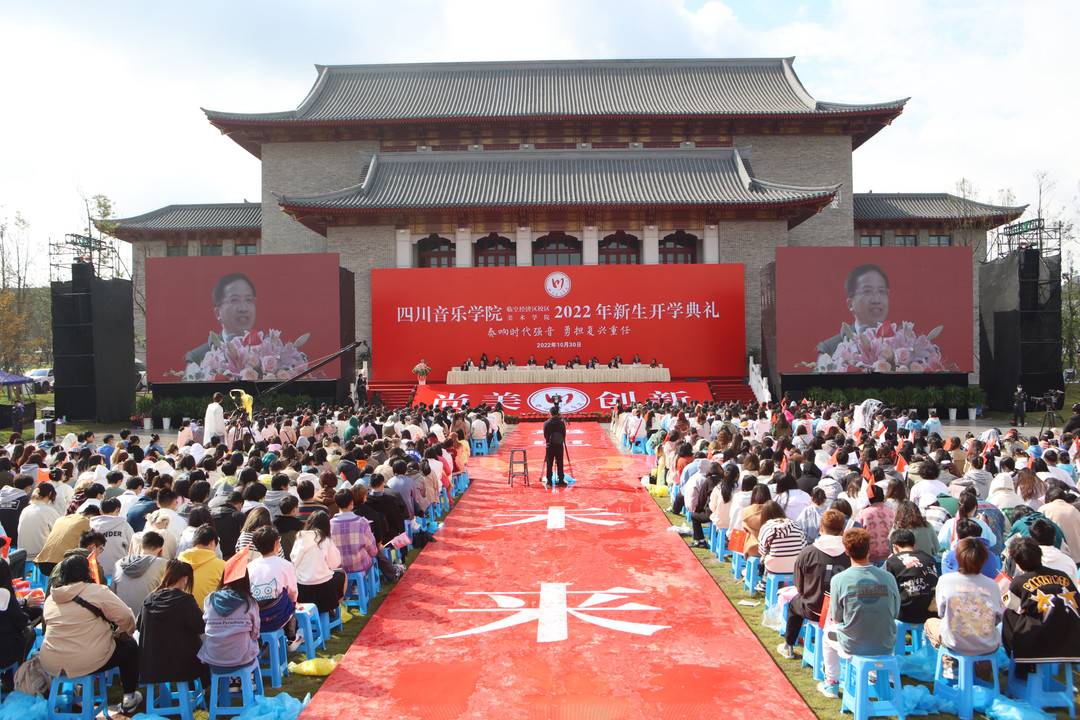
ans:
x=570 y=400
x=557 y=284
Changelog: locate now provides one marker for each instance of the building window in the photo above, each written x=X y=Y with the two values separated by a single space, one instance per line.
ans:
x=176 y=249
x=435 y=251
x=495 y=250
x=245 y=247
x=939 y=241
x=906 y=241
x=210 y=248
x=556 y=248
x=870 y=241
x=619 y=248
x=678 y=248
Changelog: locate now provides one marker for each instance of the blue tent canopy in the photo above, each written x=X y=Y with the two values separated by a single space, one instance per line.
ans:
x=7 y=378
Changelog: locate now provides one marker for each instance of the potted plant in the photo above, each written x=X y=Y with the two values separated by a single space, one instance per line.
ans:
x=976 y=398
x=955 y=397
x=934 y=397
x=144 y=408
x=166 y=408
x=915 y=398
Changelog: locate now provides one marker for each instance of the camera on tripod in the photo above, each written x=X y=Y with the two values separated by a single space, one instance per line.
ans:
x=1051 y=400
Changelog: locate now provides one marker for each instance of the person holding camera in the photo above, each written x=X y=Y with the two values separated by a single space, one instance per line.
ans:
x=554 y=439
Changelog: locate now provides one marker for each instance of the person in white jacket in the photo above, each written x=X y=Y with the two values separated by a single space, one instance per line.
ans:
x=116 y=530
x=37 y=519
x=214 y=420
x=319 y=577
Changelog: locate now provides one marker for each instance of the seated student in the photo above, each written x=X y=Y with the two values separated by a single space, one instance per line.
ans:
x=228 y=521
x=968 y=528
x=780 y=539
x=1044 y=533
x=116 y=531
x=13 y=501
x=916 y=577
x=37 y=519
x=319 y=577
x=862 y=611
x=288 y=523
x=231 y=617
x=171 y=628
x=90 y=542
x=967 y=508
x=88 y=629
x=1042 y=621
x=352 y=535
x=137 y=575
x=814 y=570
x=969 y=607
x=16 y=635
x=273 y=585
x=64 y=536
x=388 y=504
x=279 y=490
x=877 y=518
x=257 y=518
x=309 y=504
x=205 y=563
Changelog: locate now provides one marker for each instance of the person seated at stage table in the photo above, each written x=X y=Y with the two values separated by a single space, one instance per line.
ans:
x=636 y=360
x=483 y=364
x=531 y=362
x=613 y=362
x=484 y=359
x=510 y=362
x=467 y=365
x=498 y=363
x=593 y=363
x=570 y=364
x=549 y=364
x=654 y=363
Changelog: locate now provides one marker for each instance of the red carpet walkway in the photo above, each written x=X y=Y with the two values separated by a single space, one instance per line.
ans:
x=568 y=604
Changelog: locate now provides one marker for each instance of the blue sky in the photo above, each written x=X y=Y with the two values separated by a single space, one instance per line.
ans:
x=105 y=96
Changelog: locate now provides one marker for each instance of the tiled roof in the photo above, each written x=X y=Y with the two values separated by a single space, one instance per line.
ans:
x=537 y=178
x=929 y=207
x=584 y=88
x=209 y=216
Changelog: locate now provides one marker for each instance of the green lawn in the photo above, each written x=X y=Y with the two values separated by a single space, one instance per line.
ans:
x=800 y=677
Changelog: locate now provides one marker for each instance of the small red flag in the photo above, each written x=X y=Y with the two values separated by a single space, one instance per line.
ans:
x=1076 y=446
x=94 y=574
x=835 y=458
x=901 y=463
x=784 y=464
x=880 y=431
x=869 y=480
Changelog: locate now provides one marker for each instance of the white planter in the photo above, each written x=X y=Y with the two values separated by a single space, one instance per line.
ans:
x=952 y=414
x=166 y=423
x=147 y=423
x=971 y=413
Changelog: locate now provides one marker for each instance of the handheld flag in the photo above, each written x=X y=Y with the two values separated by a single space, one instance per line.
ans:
x=784 y=464
x=901 y=463
x=835 y=457
x=399 y=541
x=880 y=431
x=869 y=480
x=236 y=568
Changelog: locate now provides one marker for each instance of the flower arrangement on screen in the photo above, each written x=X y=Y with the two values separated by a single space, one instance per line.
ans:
x=888 y=349
x=259 y=356
x=421 y=369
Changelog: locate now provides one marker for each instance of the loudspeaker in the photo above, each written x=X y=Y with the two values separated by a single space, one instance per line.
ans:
x=93 y=346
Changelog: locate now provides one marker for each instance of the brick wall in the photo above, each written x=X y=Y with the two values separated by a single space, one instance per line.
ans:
x=306 y=168
x=812 y=160
x=752 y=243
x=362 y=249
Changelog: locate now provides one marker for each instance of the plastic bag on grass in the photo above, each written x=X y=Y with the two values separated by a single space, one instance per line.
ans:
x=918 y=700
x=282 y=706
x=658 y=490
x=20 y=706
x=317 y=667
x=773 y=617
x=1004 y=708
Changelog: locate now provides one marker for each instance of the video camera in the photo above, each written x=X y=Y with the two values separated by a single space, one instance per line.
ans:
x=1051 y=399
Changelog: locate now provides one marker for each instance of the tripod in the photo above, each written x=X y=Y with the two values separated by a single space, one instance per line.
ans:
x=1050 y=420
x=239 y=420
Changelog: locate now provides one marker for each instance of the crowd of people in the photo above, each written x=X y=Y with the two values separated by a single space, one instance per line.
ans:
x=616 y=361
x=975 y=539
x=166 y=562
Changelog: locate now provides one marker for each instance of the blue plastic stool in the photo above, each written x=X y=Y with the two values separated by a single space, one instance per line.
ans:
x=673 y=493
x=374 y=580
x=92 y=696
x=773 y=583
x=330 y=621
x=1041 y=689
x=813 y=654
x=444 y=501
x=251 y=684
x=431 y=518
x=479 y=447
x=310 y=625
x=625 y=442
x=880 y=699
x=33 y=574
x=738 y=561
x=639 y=447
x=918 y=639
x=752 y=574
x=274 y=656
x=718 y=545
x=175 y=698
x=964 y=689
x=356 y=592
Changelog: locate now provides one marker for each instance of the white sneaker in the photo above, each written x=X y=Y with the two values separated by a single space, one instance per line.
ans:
x=297 y=643
x=786 y=651
x=131 y=703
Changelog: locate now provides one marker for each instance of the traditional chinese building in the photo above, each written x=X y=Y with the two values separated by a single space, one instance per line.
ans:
x=558 y=163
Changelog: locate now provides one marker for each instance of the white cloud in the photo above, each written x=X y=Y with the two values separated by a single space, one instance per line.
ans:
x=107 y=100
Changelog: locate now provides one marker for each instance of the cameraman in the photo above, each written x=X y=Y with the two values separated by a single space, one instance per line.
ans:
x=1019 y=406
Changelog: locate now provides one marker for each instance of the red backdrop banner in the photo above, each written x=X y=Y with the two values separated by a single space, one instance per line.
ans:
x=898 y=309
x=689 y=317
x=218 y=319
x=574 y=398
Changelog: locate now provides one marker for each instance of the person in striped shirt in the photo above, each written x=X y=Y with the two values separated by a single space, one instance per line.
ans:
x=352 y=535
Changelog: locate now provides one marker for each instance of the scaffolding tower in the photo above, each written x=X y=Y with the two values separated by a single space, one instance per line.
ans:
x=1033 y=234
x=100 y=252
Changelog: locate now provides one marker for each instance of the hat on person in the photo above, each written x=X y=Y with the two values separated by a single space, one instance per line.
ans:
x=926 y=501
x=236 y=567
